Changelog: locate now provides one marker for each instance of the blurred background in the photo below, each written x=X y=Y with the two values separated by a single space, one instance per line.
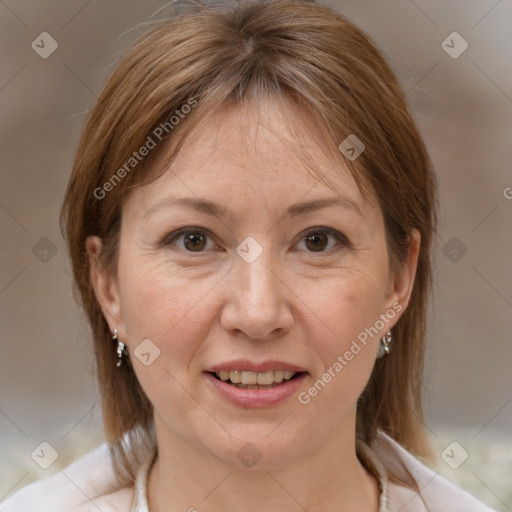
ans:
x=454 y=60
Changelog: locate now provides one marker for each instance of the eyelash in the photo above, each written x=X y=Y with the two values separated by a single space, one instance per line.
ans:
x=343 y=241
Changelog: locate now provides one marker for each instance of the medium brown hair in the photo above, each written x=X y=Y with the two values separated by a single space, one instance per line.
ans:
x=240 y=51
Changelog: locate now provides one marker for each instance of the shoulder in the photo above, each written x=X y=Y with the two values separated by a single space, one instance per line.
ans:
x=87 y=484
x=437 y=494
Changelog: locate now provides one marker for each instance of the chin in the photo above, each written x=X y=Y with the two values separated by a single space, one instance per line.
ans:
x=256 y=449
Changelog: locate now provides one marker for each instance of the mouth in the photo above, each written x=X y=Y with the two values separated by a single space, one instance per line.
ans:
x=256 y=380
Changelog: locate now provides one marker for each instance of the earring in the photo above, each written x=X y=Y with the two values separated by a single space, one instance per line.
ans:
x=385 y=343
x=122 y=349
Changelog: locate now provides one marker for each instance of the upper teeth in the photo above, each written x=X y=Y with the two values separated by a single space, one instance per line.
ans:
x=265 y=378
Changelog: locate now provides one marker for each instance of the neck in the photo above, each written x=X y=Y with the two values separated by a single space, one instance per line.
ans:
x=187 y=477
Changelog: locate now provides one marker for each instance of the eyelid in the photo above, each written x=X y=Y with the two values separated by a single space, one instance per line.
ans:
x=338 y=235
x=170 y=238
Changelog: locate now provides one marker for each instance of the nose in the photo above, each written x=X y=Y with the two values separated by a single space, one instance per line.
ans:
x=257 y=300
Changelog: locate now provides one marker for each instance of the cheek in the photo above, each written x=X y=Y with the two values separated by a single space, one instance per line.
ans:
x=348 y=307
x=161 y=308
x=164 y=308
x=349 y=311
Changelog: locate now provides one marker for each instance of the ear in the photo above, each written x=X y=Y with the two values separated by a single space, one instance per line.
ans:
x=105 y=287
x=402 y=280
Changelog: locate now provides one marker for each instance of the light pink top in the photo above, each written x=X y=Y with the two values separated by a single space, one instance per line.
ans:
x=89 y=484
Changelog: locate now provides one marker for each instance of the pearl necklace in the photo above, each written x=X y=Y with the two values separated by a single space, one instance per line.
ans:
x=367 y=456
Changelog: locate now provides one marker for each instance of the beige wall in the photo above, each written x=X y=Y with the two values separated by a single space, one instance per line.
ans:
x=464 y=109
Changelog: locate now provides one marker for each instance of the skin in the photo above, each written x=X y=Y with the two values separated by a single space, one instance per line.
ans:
x=297 y=302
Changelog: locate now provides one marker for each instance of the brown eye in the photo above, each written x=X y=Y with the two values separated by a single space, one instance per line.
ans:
x=188 y=240
x=317 y=241
x=324 y=240
x=194 y=241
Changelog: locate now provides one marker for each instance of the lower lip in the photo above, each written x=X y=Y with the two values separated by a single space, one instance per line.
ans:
x=249 y=398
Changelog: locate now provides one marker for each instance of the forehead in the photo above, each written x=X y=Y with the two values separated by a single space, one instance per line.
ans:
x=265 y=149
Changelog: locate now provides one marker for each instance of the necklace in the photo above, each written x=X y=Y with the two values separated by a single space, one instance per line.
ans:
x=367 y=456
x=372 y=463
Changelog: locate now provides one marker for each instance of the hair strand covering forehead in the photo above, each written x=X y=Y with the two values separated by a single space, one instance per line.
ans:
x=187 y=67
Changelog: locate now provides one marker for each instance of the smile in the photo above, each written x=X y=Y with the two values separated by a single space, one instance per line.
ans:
x=254 y=380
x=250 y=390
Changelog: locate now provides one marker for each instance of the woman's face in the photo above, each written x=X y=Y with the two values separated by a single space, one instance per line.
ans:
x=237 y=263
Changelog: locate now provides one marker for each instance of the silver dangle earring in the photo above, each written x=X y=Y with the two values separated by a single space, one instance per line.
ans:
x=385 y=342
x=122 y=350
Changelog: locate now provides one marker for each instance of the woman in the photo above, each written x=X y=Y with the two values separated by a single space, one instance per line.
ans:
x=250 y=220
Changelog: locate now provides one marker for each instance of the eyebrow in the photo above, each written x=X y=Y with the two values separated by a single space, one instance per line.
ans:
x=213 y=209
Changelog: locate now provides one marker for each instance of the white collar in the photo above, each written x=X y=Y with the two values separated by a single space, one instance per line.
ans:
x=91 y=481
x=436 y=494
